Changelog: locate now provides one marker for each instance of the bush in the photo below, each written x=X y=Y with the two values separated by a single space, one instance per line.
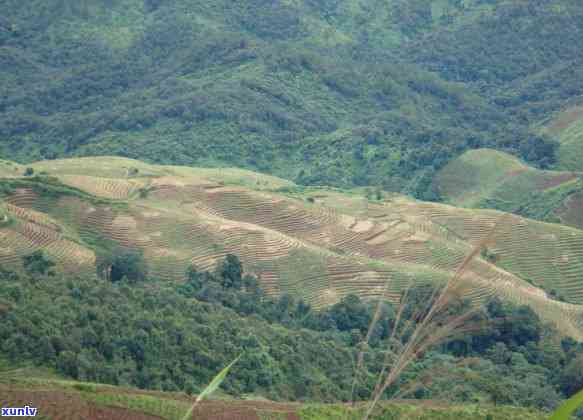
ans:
x=123 y=263
x=37 y=263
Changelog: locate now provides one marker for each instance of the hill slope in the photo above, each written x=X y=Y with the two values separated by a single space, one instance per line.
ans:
x=486 y=178
x=567 y=127
x=337 y=93
x=317 y=244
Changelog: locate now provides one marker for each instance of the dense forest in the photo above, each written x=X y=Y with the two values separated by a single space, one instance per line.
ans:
x=331 y=92
x=129 y=329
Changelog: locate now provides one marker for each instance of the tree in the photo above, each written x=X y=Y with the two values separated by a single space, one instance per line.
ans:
x=230 y=271
x=67 y=364
x=45 y=350
x=571 y=379
x=124 y=263
x=37 y=263
x=350 y=314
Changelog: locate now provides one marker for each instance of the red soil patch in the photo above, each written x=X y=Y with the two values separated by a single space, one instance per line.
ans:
x=565 y=120
x=242 y=410
x=571 y=212
x=554 y=181
x=62 y=406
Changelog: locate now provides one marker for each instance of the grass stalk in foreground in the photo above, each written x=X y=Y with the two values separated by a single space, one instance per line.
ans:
x=429 y=326
x=568 y=408
x=210 y=388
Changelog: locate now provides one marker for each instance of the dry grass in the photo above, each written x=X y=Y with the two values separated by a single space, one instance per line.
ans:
x=428 y=326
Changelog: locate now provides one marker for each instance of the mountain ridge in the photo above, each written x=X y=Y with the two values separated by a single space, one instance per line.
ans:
x=335 y=93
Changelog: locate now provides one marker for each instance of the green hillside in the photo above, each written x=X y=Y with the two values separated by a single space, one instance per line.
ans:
x=335 y=92
x=77 y=347
x=346 y=202
x=566 y=127
x=487 y=178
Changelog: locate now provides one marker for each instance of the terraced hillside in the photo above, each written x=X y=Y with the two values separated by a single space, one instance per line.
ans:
x=318 y=244
x=567 y=128
x=486 y=178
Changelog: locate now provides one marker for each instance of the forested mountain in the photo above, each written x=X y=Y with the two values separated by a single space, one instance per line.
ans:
x=342 y=201
x=338 y=92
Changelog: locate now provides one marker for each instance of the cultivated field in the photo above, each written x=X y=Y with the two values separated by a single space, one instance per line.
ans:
x=318 y=244
x=486 y=178
x=567 y=128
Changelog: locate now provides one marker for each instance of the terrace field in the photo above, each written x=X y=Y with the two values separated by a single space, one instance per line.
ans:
x=486 y=178
x=313 y=243
x=567 y=128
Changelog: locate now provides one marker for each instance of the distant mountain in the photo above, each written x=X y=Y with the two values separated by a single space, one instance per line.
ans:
x=335 y=92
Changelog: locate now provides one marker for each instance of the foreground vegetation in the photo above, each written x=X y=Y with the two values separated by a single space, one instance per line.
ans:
x=137 y=331
x=89 y=400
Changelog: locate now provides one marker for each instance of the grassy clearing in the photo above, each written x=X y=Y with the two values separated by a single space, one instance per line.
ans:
x=158 y=406
x=475 y=175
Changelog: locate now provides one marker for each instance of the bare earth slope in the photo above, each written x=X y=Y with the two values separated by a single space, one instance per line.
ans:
x=320 y=244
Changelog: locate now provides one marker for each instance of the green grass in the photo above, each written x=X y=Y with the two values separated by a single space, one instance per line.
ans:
x=567 y=128
x=490 y=179
x=404 y=411
x=167 y=409
x=475 y=176
x=569 y=407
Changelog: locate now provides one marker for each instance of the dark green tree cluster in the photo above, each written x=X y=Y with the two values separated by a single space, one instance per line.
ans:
x=122 y=264
x=158 y=335
x=38 y=264
x=150 y=335
x=228 y=287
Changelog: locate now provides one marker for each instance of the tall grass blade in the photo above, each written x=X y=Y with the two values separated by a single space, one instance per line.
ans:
x=428 y=326
x=568 y=408
x=211 y=387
